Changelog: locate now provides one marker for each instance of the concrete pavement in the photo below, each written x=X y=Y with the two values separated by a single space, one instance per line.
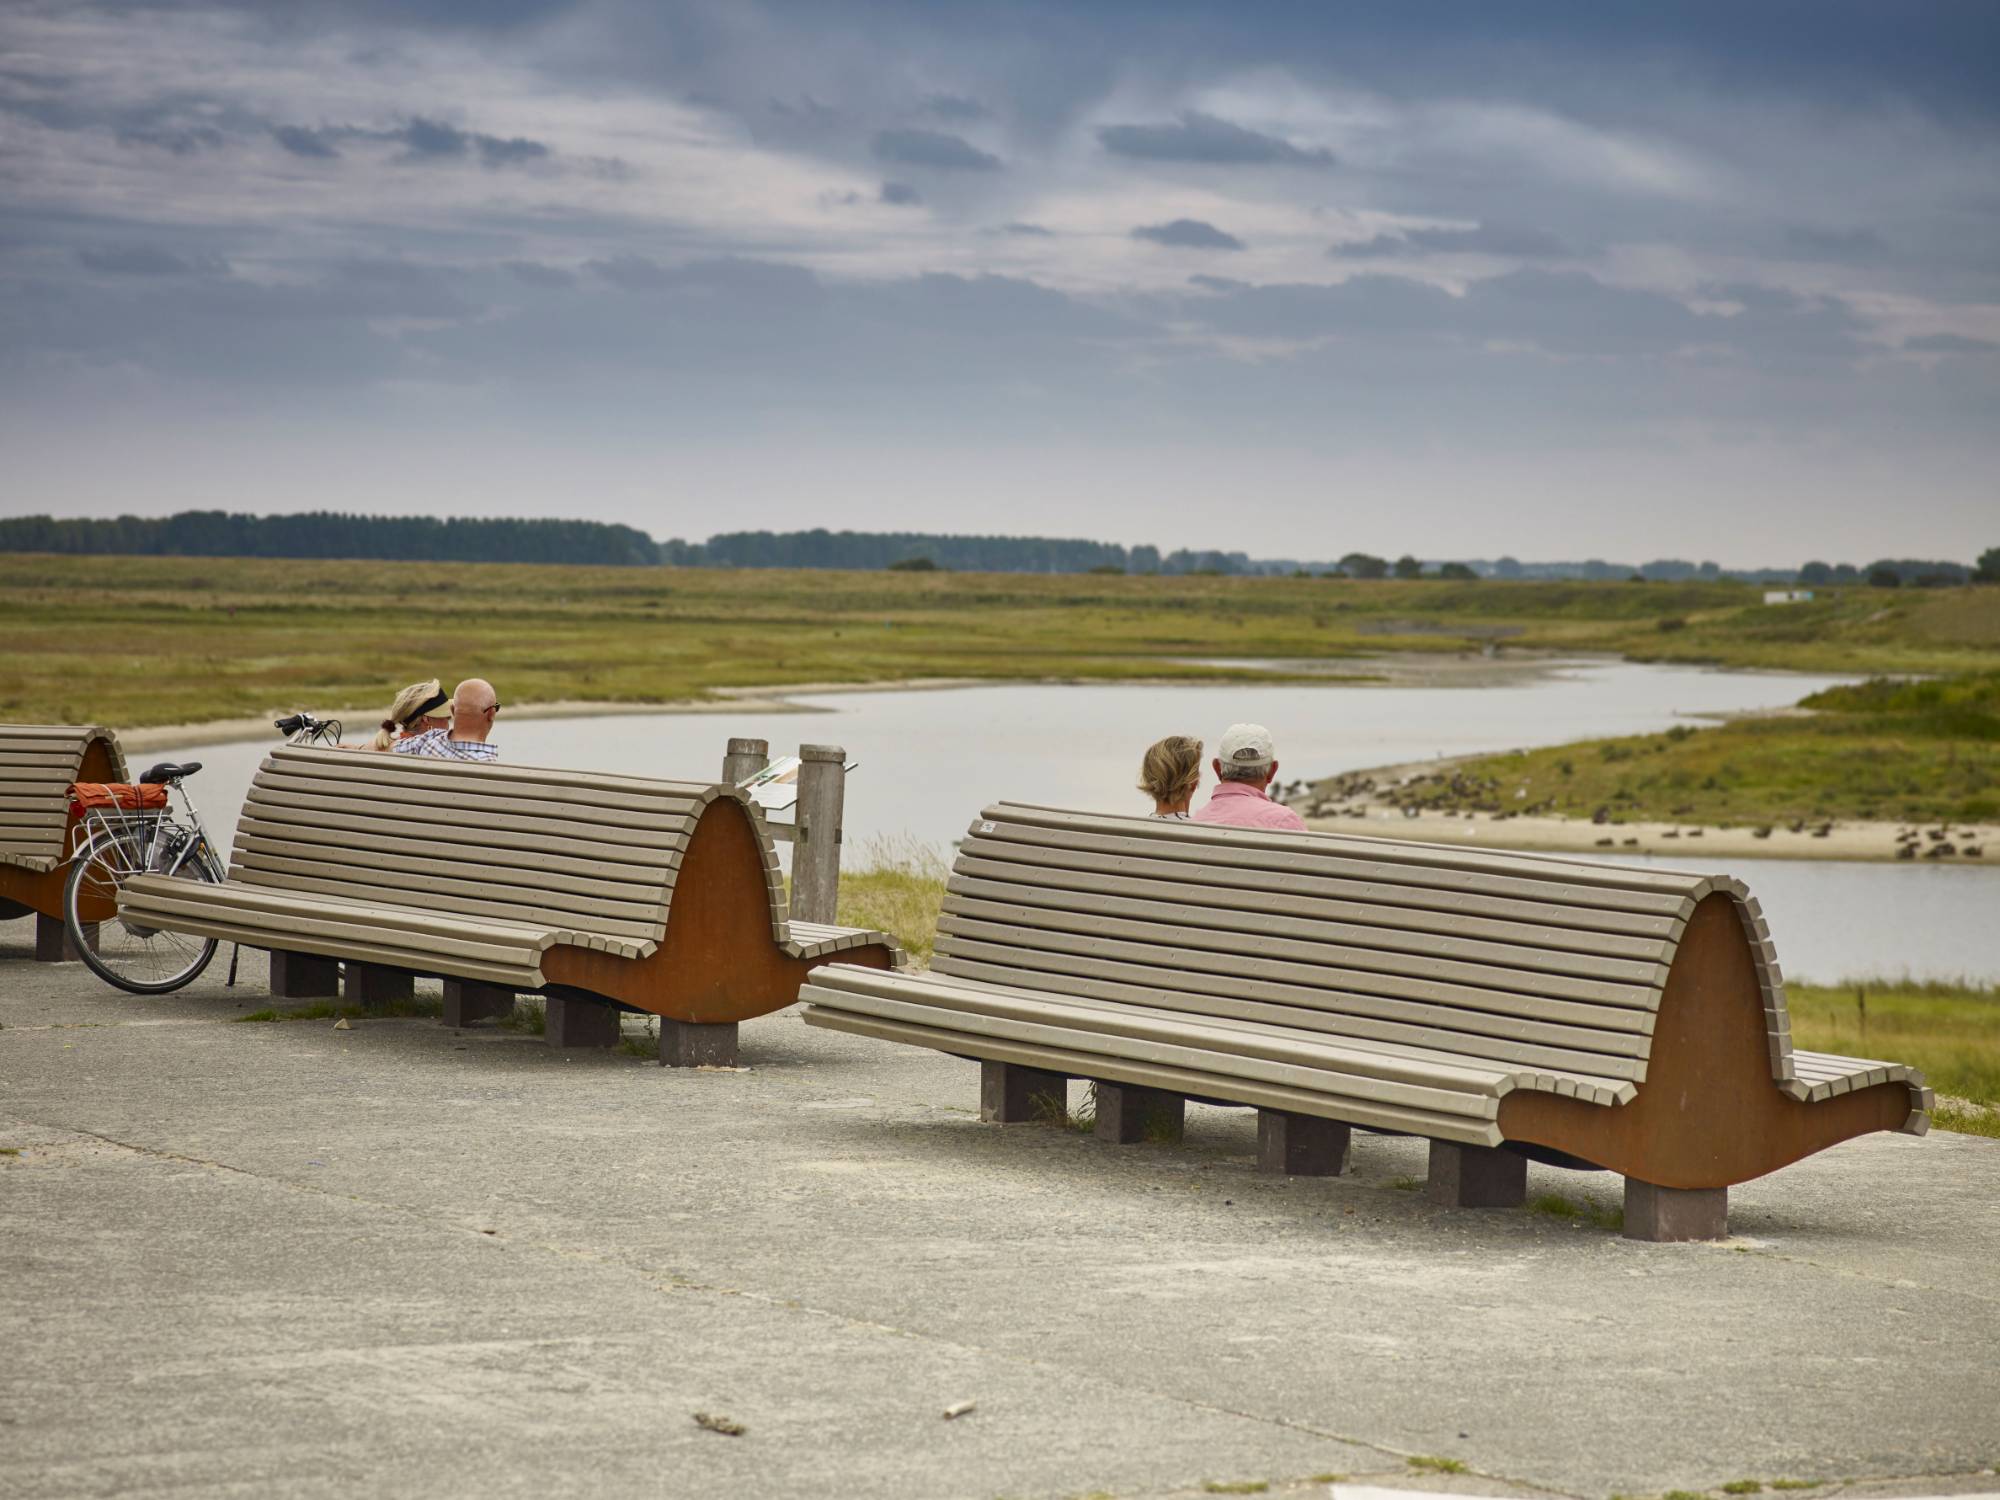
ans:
x=286 y=1260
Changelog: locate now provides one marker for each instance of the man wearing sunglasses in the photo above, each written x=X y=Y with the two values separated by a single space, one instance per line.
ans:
x=473 y=708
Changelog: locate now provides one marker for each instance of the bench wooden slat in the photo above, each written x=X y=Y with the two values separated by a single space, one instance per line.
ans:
x=587 y=788
x=492 y=823
x=1353 y=1019
x=1077 y=952
x=421 y=807
x=465 y=897
x=1537 y=869
x=1296 y=861
x=361 y=870
x=1230 y=891
x=1177 y=1080
x=1194 y=906
x=1480 y=1102
x=516 y=850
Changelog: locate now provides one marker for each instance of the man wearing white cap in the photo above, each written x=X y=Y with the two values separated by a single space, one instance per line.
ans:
x=1244 y=772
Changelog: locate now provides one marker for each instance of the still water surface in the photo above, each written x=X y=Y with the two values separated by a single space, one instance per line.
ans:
x=930 y=760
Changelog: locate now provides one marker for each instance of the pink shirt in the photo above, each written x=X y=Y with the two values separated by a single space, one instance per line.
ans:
x=1246 y=806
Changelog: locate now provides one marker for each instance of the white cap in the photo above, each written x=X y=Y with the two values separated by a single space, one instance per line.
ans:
x=1247 y=745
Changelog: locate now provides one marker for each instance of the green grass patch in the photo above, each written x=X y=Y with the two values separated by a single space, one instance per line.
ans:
x=333 y=1010
x=1236 y=1486
x=1924 y=752
x=1795 y=1484
x=1407 y=1184
x=1556 y=1206
x=1431 y=1464
x=1743 y=1487
x=529 y=1015
x=10 y=1150
x=1683 y=1495
x=1950 y=1031
x=896 y=886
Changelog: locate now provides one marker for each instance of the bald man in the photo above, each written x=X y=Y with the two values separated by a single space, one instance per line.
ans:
x=473 y=707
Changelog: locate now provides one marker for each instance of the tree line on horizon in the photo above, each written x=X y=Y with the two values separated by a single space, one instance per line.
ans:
x=330 y=534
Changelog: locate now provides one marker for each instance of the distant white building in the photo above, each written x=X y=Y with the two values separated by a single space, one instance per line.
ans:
x=1788 y=596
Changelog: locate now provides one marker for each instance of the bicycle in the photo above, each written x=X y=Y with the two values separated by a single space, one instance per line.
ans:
x=127 y=831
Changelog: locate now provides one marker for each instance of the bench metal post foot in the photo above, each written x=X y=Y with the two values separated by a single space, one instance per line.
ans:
x=1010 y=1094
x=304 y=976
x=580 y=1021
x=1128 y=1114
x=467 y=1000
x=1476 y=1176
x=1290 y=1145
x=377 y=987
x=1664 y=1215
x=690 y=1044
x=52 y=944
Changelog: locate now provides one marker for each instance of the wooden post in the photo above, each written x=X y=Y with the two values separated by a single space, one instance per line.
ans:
x=1128 y=1114
x=744 y=759
x=816 y=848
x=1290 y=1145
x=1476 y=1176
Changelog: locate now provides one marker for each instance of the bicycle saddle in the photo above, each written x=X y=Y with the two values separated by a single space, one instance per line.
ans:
x=168 y=770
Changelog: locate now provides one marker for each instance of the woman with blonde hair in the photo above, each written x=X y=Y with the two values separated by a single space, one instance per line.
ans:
x=420 y=706
x=1169 y=775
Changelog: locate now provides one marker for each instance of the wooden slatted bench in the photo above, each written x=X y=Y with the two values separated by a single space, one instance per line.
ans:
x=37 y=825
x=598 y=891
x=1508 y=1007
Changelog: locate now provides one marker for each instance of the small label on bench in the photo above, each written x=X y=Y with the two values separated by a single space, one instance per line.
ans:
x=985 y=827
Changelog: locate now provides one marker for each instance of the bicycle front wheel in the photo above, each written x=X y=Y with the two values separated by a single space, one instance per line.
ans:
x=130 y=955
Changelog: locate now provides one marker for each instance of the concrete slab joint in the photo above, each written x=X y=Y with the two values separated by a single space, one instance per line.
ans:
x=1476 y=1176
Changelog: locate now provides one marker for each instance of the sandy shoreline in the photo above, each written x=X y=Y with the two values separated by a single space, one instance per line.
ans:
x=1849 y=840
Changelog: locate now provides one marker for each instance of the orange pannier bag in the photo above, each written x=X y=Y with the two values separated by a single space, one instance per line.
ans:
x=144 y=797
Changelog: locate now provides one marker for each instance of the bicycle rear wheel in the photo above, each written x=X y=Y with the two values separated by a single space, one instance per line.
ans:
x=144 y=960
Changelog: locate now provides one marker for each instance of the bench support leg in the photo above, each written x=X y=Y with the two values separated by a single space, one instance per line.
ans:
x=467 y=1000
x=1010 y=1094
x=1128 y=1114
x=304 y=976
x=1669 y=1214
x=52 y=944
x=1476 y=1176
x=376 y=987
x=688 y=1044
x=1290 y=1145
x=578 y=1021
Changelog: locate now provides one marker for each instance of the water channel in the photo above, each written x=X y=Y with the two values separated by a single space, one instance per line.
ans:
x=929 y=760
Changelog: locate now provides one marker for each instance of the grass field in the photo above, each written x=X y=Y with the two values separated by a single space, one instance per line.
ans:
x=1903 y=751
x=139 y=641
x=1951 y=1031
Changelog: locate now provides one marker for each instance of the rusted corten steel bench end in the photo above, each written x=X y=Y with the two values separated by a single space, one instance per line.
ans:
x=1508 y=1007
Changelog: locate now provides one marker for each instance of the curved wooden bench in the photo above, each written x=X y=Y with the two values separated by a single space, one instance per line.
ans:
x=660 y=896
x=1507 y=1006
x=37 y=825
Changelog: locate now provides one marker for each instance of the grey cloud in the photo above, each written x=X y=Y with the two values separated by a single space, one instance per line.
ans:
x=534 y=273
x=933 y=148
x=1188 y=234
x=148 y=260
x=900 y=193
x=1861 y=245
x=428 y=139
x=1949 y=343
x=1483 y=239
x=181 y=140
x=1208 y=140
x=954 y=107
x=1031 y=231
x=311 y=144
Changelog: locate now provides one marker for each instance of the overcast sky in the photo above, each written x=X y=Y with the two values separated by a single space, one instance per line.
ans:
x=1709 y=280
